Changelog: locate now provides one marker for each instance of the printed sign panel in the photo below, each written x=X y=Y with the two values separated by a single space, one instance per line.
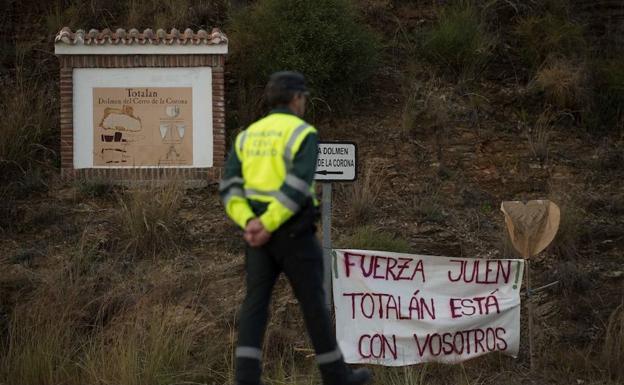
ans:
x=400 y=309
x=150 y=126
x=336 y=161
x=142 y=118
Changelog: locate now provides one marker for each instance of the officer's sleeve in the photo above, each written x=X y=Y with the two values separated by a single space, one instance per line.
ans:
x=297 y=186
x=231 y=190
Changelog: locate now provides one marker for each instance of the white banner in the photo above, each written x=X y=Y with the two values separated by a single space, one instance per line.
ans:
x=400 y=309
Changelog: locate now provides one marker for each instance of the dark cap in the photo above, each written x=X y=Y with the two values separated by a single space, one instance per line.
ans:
x=287 y=81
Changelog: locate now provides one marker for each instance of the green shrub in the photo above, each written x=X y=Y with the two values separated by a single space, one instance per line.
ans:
x=370 y=238
x=459 y=42
x=541 y=36
x=321 y=39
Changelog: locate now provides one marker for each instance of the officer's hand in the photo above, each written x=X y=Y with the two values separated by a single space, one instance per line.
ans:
x=260 y=238
x=255 y=233
x=254 y=226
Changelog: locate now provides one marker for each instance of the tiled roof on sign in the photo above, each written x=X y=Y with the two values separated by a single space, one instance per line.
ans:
x=133 y=36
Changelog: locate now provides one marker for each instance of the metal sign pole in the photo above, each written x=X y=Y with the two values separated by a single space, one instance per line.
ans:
x=336 y=162
x=326 y=210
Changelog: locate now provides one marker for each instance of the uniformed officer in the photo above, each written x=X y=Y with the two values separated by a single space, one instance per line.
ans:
x=268 y=190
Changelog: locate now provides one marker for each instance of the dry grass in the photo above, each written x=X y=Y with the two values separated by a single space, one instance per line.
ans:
x=492 y=369
x=371 y=238
x=563 y=84
x=95 y=187
x=427 y=112
x=613 y=348
x=142 y=14
x=569 y=236
x=153 y=347
x=41 y=344
x=426 y=106
x=79 y=317
x=543 y=35
x=43 y=333
x=605 y=112
x=427 y=204
x=538 y=136
x=28 y=123
x=286 y=368
x=85 y=323
x=53 y=346
x=407 y=375
x=361 y=196
x=149 y=221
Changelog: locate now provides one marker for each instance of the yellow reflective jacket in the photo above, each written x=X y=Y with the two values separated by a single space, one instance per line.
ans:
x=270 y=170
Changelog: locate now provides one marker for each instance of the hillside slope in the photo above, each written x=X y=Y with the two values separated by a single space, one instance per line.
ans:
x=105 y=284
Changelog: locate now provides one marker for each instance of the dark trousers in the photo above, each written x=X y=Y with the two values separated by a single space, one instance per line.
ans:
x=300 y=258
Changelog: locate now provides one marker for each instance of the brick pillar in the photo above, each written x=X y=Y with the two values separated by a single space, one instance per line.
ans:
x=218 y=114
x=67 y=119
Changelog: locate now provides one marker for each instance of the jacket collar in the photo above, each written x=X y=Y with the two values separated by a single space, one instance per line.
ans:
x=282 y=110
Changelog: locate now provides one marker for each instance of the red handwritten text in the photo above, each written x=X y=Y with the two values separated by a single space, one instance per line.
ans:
x=377 y=346
x=384 y=267
x=461 y=307
x=388 y=306
x=464 y=342
x=480 y=271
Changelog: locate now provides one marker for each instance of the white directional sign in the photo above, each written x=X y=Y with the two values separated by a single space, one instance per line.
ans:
x=336 y=162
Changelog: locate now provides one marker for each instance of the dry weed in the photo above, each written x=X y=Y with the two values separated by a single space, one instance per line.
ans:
x=475 y=372
x=41 y=344
x=362 y=195
x=43 y=337
x=569 y=236
x=95 y=187
x=287 y=369
x=87 y=323
x=371 y=238
x=427 y=204
x=426 y=108
x=538 y=136
x=149 y=219
x=563 y=83
x=544 y=35
x=28 y=122
x=568 y=364
x=613 y=348
x=153 y=347
x=407 y=375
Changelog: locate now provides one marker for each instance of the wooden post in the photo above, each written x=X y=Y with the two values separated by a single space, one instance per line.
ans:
x=529 y=313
